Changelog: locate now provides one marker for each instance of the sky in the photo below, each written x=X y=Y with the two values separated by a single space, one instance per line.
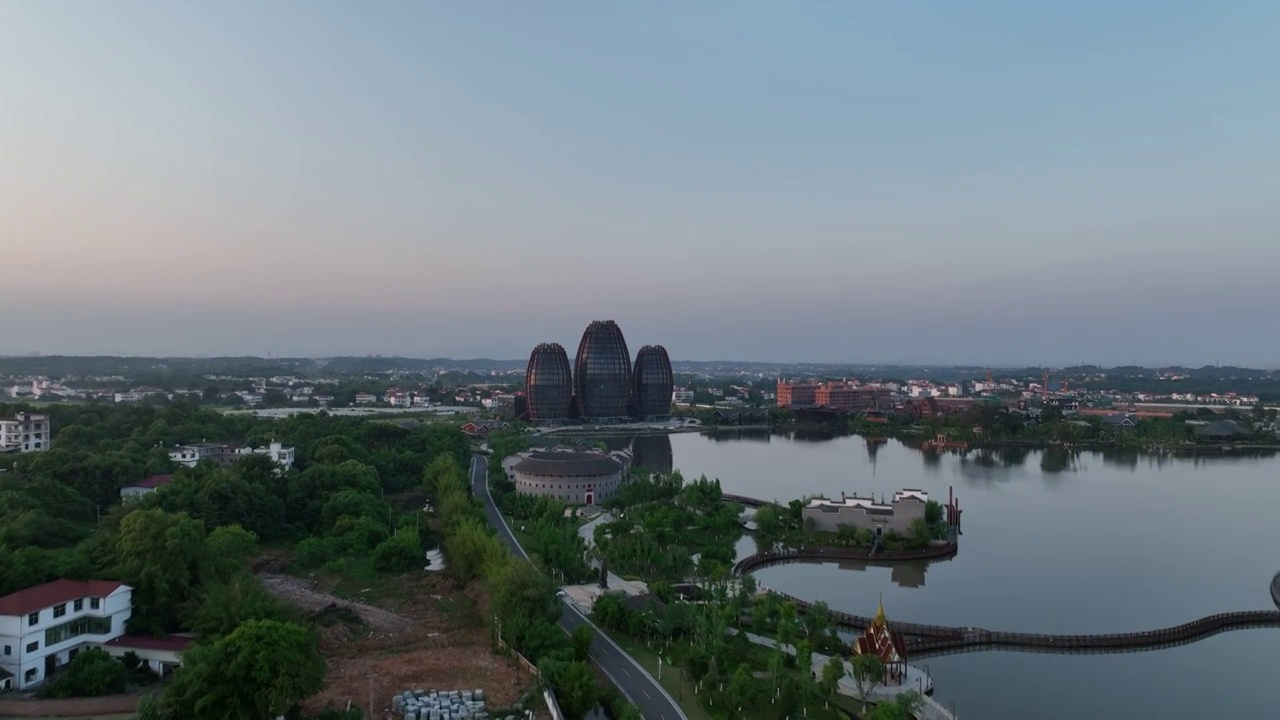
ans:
x=987 y=182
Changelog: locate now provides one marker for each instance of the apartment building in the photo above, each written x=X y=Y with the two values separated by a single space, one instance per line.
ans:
x=25 y=432
x=44 y=627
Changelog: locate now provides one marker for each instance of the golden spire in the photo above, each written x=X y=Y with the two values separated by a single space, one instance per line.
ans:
x=880 y=620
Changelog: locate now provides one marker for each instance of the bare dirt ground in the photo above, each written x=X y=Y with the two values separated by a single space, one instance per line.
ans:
x=101 y=707
x=418 y=632
x=301 y=593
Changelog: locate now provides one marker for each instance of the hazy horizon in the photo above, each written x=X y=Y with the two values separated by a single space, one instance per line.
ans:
x=986 y=183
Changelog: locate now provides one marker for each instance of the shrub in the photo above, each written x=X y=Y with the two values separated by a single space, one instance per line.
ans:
x=91 y=674
x=399 y=553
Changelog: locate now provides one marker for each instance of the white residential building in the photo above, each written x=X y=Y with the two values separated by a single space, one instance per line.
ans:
x=681 y=396
x=223 y=454
x=25 y=432
x=399 y=399
x=279 y=454
x=44 y=627
x=366 y=398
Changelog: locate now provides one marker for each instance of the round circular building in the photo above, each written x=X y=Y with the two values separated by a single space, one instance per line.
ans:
x=577 y=478
x=602 y=372
x=548 y=385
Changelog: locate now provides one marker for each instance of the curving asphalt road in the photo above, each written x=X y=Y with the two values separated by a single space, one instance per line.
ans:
x=633 y=680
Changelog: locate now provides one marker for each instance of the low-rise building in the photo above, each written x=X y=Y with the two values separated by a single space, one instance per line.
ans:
x=25 y=432
x=365 y=398
x=577 y=478
x=44 y=627
x=223 y=454
x=856 y=512
x=681 y=396
x=144 y=487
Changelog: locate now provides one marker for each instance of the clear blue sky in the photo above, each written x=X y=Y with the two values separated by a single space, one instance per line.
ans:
x=969 y=182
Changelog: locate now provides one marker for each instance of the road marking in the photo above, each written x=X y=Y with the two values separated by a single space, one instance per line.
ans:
x=646 y=693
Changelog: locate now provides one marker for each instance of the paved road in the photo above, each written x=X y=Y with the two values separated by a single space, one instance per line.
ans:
x=634 y=681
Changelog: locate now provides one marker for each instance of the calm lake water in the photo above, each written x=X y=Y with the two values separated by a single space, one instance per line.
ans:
x=1054 y=543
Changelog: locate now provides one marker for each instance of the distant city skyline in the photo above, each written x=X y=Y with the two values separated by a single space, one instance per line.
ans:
x=937 y=183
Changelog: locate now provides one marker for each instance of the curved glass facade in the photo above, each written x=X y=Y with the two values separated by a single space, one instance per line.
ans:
x=548 y=386
x=653 y=382
x=602 y=372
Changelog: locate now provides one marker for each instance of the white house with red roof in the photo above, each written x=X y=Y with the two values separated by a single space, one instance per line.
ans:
x=144 y=487
x=44 y=627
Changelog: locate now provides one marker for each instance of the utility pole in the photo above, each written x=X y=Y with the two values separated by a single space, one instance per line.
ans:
x=370 y=696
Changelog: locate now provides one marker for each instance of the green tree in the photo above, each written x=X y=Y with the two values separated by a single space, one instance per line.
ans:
x=902 y=707
x=258 y=672
x=804 y=657
x=162 y=557
x=225 y=606
x=582 y=637
x=91 y=674
x=574 y=685
x=232 y=545
x=867 y=673
x=831 y=674
x=399 y=553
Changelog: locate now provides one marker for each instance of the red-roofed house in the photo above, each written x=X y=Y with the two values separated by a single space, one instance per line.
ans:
x=44 y=626
x=144 y=487
x=161 y=655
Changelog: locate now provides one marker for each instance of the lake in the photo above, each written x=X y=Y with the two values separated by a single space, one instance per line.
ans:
x=1053 y=542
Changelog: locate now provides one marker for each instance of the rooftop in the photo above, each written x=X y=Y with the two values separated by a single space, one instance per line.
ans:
x=172 y=643
x=558 y=462
x=154 y=481
x=53 y=593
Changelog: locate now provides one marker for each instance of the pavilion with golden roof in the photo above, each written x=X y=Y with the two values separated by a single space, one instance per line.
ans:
x=884 y=643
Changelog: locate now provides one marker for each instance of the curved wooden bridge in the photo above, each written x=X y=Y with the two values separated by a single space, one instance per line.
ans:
x=743 y=500
x=924 y=640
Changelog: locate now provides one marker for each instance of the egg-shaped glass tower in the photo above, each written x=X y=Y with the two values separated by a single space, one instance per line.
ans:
x=652 y=382
x=548 y=385
x=602 y=372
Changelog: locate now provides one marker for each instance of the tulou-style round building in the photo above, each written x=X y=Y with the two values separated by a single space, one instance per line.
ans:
x=548 y=384
x=652 y=382
x=602 y=372
x=577 y=478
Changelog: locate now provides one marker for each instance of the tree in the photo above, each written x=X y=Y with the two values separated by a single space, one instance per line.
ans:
x=225 y=606
x=582 y=637
x=162 y=557
x=232 y=545
x=831 y=674
x=91 y=674
x=868 y=672
x=804 y=657
x=574 y=685
x=902 y=707
x=399 y=553
x=258 y=672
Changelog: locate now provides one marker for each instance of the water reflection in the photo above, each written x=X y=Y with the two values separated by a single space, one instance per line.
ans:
x=729 y=434
x=652 y=453
x=1058 y=459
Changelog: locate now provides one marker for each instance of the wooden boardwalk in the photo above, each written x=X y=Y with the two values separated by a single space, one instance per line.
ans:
x=942 y=639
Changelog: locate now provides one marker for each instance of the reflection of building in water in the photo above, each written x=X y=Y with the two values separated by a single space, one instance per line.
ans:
x=903 y=574
x=653 y=454
x=908 y=574
x=723 y=435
